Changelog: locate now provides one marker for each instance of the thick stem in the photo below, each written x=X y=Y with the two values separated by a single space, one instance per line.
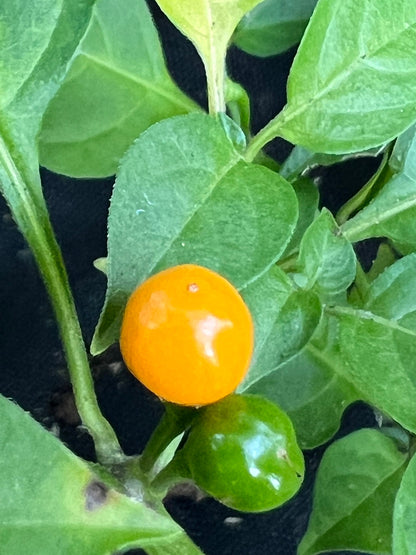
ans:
x=30 y=213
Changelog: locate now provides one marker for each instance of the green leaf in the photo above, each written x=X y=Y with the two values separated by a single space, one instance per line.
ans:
x=311 y=388
x=191 y=200
x=308 y=201
x=403 y=156
x=284 y=319
x=352 y=85
x=301 y=160
x=404 y=530
x=392 y=293
x=238 y=104
x=54 y=503
x=379 y=357
x=368 y=191
x=118 y=86
x=354 y=495
x=385 y=257
x=48 y=33
x=273 y=27
x=326 y=258
x=209 y=24
x=392 y=213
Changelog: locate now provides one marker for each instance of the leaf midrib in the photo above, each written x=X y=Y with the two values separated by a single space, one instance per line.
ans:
x=367 y=315
x=217 y=179
x=159 y=90
x=355 y=231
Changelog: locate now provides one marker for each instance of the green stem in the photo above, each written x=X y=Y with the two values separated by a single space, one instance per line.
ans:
x=264 y=136
x=175 y=472
x=30 y=213
x=173 y=422
x=215 y=72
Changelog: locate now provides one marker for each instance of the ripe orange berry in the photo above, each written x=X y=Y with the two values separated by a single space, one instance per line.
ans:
x=187 y=335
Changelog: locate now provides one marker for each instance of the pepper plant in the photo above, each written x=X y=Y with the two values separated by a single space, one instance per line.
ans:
x=85 y=91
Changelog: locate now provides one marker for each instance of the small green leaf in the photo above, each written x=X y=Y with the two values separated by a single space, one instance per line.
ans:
x=273 y=27
x=403 y=156
x=51 y=501
x=311 y=388
x=392 y=213
x=355 y=489
x=118 y=85
x=285 y=320
x=301 y=160
x=368 y=191
x=31 y=69
x=326 y=258
x=379 y=357
x=392 y=293
x=404 y=530
x=191 y=200
x=385 y=257
x=352 y=85
x=308 y=201
x=238 y=104
x=209 y=24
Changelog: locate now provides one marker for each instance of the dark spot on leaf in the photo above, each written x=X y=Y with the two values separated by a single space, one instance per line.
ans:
x=95 y=495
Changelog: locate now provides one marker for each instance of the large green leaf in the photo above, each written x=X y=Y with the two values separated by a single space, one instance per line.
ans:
x=184 y=194
x=404 y=529
x=118 y=85
x=273 y=26
x=352 y=85
x=393 y=293
x=392 y=213
x=311 y=388
x=52 y=502
x=379 y=359
x=326 y=258
x=355 y=489
x=209 y=24
x=284 y=318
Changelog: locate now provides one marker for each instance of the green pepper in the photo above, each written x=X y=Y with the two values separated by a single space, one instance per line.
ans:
x=242 y=450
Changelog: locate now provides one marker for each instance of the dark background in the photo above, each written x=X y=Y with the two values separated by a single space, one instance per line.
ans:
x=32 y=365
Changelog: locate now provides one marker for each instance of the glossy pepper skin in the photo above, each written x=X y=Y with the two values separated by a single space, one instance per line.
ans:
x=187 y=335
x=242 y=450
